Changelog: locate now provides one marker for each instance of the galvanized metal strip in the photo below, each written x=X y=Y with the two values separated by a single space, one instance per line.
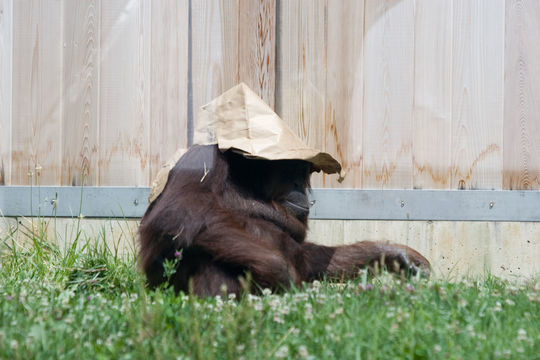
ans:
x=131 y=202
x=67 y=201
x=453 y=205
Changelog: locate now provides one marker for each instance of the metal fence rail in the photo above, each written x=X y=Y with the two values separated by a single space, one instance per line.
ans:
x=131 y=202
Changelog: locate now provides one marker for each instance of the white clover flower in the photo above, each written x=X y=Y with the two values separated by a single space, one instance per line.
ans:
x=266 y=292
x=278 y=319
x=282 y=352
x=470 y=330
x=308 y=314
x=303 y=352
x=274 y=304
x=522 y=335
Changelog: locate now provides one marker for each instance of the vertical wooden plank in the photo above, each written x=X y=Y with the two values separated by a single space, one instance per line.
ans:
x=169 y=80
x=124 y=93
x=232 y=41
x=81 y=96
x=214 y=52
x=345 y=92
x=522 y=95
x=229 y=22
x=37 y=91
x=388 y=95
x=6 y=52
x=432 y=128
x=257 y=47
x=477 y=108
x=301 y=71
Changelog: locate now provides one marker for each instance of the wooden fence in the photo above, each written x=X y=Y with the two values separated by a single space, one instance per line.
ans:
x=438 y=94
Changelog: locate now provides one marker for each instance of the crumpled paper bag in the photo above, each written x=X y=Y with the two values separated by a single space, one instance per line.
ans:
x=163 y=174
x=241 y=121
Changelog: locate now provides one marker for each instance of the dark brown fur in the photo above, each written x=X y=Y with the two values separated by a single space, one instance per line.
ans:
x=230 y=215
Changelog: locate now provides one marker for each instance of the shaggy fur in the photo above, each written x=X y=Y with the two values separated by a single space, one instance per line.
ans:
x=230 y=215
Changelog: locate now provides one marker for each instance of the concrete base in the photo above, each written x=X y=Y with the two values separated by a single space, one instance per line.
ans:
x=454 y=248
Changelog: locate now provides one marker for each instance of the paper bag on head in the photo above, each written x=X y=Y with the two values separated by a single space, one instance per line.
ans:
x=241 y=121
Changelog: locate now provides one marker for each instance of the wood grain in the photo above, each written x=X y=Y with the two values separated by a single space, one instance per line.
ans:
x=522 y=96
x=37 y=92
x=405 y=93
x=124 y=93
x=432 y=124
x=388 y=95
x=232 y=41
x=301 y=71
x=477 y=87
x=81 y=92
x=345 y=90
x=214 y=52
x=169 y=80
x=6 y=71
x=257 y=47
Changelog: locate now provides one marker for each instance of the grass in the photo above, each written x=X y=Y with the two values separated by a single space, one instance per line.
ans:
x=89 y=302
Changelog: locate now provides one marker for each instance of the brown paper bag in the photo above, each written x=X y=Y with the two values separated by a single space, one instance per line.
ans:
x=241 y=121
